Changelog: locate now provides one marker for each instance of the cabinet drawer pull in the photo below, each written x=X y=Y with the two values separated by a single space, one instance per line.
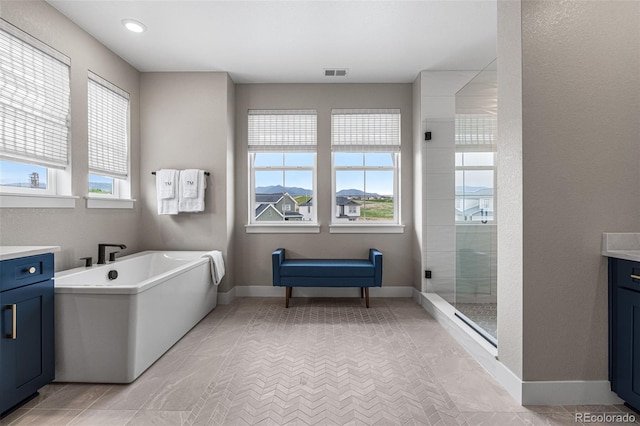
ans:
x=635 y=277
x=14 y=322
x=32 y=270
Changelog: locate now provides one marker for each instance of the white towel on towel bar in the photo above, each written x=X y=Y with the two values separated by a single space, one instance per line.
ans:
x=166 y=191
x=189 y=183
x=166 y=182
x=186 y=204
x=217 y=265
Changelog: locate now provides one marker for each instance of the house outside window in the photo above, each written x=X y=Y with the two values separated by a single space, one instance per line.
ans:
x=34 y=116
x=365 y=148
x=282 y=166
x=108 y=112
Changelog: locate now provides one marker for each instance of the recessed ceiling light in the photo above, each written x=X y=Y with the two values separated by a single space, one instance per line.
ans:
x=133 y=25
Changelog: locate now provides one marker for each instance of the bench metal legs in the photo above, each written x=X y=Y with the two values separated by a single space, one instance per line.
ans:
x=364 y=290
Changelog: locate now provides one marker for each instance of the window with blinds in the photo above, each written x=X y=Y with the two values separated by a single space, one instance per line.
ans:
x=476 y=129
x=282 y=130
x=34 y=110
x=365 y=145
x=282 y=166
x=365 y=130
x=108 y=129
x=475 y=167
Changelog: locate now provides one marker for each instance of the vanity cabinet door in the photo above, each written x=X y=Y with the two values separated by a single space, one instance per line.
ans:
x=628 y=346
x=26 y=342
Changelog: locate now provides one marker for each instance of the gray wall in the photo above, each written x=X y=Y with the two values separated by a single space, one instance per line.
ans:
x=579 y=175
x=79 y=230
x=187 y=123
x=253 y=251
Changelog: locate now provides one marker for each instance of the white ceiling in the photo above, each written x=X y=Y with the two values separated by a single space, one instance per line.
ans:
x=270 y=41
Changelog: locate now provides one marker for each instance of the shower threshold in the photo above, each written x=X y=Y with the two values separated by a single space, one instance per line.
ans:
x=475 y=327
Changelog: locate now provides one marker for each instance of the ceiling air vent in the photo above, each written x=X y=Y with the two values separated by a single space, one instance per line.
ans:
x=335 y=72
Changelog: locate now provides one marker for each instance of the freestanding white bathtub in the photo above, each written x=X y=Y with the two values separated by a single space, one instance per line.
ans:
x=112 y=330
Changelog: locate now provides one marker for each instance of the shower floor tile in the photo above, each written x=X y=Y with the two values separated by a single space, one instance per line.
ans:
x=483 y=314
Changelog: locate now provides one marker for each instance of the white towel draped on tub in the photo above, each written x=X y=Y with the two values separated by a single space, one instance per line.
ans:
x=217 y=265
x=191 y=191
x=166 y=191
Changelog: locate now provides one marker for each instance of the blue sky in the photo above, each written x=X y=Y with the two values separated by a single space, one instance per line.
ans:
x=474 y=178
x=379 y=182
x=376 y=182
x=100 y=179
x=291 y=178
x=11 y=172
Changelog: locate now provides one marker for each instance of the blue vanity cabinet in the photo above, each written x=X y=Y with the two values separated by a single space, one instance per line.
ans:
x=628 y=353
x=624 y=330
x=26 y=327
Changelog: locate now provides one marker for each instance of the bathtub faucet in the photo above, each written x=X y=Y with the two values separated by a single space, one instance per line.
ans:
x=101 y=251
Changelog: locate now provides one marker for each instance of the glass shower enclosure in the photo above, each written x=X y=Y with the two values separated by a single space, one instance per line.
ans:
x=476 y=203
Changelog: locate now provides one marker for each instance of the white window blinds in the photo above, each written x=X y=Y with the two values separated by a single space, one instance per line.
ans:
x=358 y=130
x=476 y=129
x=108 y=129
x=282 y=130
x=34 y=100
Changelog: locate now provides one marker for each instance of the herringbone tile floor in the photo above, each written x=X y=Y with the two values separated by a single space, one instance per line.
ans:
x=320 y=362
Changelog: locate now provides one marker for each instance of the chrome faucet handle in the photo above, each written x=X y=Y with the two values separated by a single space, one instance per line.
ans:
x=112 y=256
x=88 y=261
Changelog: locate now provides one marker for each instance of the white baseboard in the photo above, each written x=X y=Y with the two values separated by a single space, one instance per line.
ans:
x=271 y=291
x=227 y=298
x=579 y=392
x=588 y=392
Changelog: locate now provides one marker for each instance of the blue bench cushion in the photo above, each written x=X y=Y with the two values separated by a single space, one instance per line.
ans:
x=326 y=268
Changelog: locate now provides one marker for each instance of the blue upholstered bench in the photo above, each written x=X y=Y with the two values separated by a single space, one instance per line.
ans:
x=363 y=273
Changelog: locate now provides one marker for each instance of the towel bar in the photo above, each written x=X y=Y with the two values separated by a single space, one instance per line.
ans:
x=206 y=173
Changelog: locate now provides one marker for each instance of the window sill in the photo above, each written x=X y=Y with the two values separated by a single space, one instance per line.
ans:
x=367 y=228
x=109 y=203
x=36 y=201
x=289 y=228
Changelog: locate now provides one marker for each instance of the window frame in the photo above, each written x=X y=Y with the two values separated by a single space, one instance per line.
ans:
x=395 y=168
x=116 y=185
x=58 y=191
x=49 y=191
x=121 y=186
x=476 y=133
x=284 y=168
x=484 y=148
x=391 y=146
x=266 y=142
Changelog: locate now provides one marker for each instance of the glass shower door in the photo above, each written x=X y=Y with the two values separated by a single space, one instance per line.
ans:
x=475 y=204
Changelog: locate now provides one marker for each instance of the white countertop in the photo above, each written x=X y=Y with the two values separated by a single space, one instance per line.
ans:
x=13 y=252
x=621 y=245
